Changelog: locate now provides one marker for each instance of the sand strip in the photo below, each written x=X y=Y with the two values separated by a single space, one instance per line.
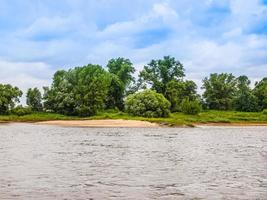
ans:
x=119 y=123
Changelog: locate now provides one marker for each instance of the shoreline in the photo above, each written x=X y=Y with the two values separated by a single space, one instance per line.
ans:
x=106 y=123
x=121 y=123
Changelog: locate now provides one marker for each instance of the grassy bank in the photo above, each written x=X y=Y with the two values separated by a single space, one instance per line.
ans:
x=176 y=119
x=35 y=117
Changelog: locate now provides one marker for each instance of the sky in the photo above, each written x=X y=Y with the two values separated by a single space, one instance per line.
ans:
x=38 y=37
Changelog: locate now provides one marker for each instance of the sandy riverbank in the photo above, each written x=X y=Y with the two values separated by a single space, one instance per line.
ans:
x=120 y=123
x=102 y=123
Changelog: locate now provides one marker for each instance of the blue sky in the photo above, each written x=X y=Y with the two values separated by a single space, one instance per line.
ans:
x=38 y=37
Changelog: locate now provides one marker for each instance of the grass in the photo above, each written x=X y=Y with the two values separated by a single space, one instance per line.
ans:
x=35 y=117
x=175 y=119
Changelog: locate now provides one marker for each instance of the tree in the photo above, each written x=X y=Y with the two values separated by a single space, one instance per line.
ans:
x=190 y=107
x=123 y=68
x=176 y=91
x=158 y=73
x=79 y=91
x=220 y=90
x=9 y=96
x=34 y=99
x=147 y=103
x=245 y=100
x=115 y=94
x=260 y=91
x=121 y=71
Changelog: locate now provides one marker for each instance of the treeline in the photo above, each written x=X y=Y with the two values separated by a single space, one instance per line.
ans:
x=161 y=88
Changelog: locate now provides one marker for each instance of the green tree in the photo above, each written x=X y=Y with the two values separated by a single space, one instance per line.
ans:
x=260 y=91
x=9 y=96
x=121 y=71
x=190 y=107
x=21 y=111
x=158 y=73
x=147 y=103
x=245 y=100
x=115 y=94
x=79 y=91
x=34 y=99
x=220 y=90
x=176 y=91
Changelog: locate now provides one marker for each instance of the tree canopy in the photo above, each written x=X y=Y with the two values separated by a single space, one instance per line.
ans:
x=220 y=90
x=161 y=88
x=158 y=73
x=244 y=99
x=260 y=91
x=34 y=99
x=121 y=71
x=79 y=91
x=176 y=91
x=9 y=96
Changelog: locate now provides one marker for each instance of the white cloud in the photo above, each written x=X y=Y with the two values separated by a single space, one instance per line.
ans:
x=160 y=15
x=25 y=75
x=228 y=45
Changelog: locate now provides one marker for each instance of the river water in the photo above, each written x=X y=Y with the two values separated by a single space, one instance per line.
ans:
x=50 y=162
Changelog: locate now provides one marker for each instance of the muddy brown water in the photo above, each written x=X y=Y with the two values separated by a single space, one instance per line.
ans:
x=51 y=162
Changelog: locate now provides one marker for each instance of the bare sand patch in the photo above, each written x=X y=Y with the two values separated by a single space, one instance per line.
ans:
x=119 y=123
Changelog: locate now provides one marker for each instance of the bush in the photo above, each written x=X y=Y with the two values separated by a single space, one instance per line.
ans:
x=190 y=107
x=20 y=110
x=264 y=111
x=147 y=104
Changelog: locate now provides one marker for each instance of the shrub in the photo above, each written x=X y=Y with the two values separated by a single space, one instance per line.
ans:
x=264 y=111
x=147 y=103
x=190 y=107
x=20 y=110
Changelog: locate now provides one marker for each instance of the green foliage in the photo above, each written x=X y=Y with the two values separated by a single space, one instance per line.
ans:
x=34 y=99
x=123 y=68
x=147 y=104
x=121 y=71
x=260 y=91
x=158 y=73
x=264 y=111
x=8 y=97
x=244 y=99
x=21 y=111
x=246 y=102
x=190 y=107
x=115 y=94
x=79 y=91
x=220 y=90
x=176 y=91
x=86 y=90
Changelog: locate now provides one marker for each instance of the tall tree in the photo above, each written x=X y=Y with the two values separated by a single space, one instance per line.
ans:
x=79 y=91
x=121 y=71
x=123 y=68
x=176 y=91
x=260 y=91
x=158 y=73
x=245 y=100
x=220 y=90
x=34 y=99
x=9 y=96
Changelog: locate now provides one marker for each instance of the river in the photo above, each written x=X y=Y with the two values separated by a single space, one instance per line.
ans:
x=51 y=162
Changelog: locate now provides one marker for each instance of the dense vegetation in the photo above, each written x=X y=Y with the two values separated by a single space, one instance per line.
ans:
x=147 y=103
x=161 y=89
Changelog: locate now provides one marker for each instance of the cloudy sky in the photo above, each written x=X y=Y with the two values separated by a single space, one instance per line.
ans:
x=38 y=37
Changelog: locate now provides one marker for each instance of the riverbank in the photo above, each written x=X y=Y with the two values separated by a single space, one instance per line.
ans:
x=121 y=119
x=106 y=123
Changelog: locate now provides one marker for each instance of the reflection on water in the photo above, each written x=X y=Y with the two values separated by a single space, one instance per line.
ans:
x=49 y=162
